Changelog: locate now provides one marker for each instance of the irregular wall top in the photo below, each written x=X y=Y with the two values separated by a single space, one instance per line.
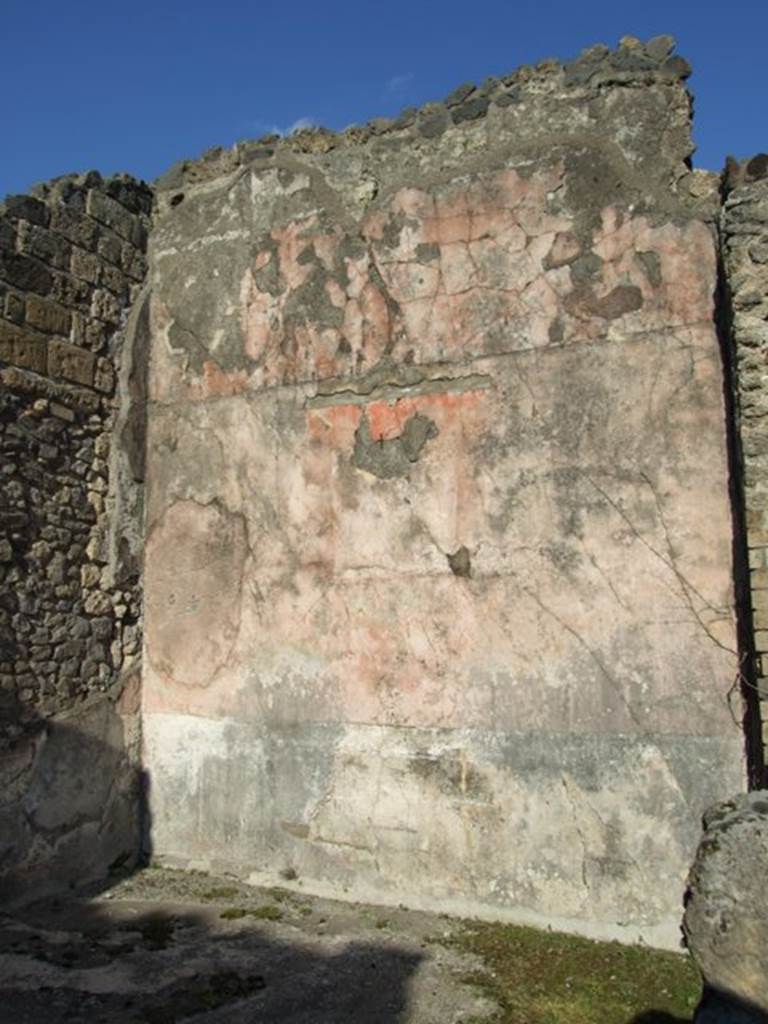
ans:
x=438 y=562
x=610 y=132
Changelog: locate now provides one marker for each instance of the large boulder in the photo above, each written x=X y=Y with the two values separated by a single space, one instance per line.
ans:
x=726 y=911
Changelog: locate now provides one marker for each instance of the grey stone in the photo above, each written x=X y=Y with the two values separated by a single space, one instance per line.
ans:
x=459 y=94
x=25 y=272
x=433 y=121
x=508 y=97
x=45 y=245
x=660 y=47
x=471 y=110
x=758 y=166
x=758 y=251
x=405 y=118
x=25 y=208
x=726 y=907
x=678 y=67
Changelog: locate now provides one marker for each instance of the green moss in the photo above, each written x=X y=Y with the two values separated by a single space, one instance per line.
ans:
x=233 y=913
x=265 y=913
x=539 y=977
x=220 y=892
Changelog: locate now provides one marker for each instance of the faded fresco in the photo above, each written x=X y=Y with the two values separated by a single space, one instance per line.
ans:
x=438 y=582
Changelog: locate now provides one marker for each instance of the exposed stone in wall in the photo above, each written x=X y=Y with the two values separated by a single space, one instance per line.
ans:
x=72 y=258
x=745 y=256
x=439 y=600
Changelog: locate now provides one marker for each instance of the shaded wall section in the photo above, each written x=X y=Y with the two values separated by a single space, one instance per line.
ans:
x=72 y=259
x=438 y=577
x=744 y=227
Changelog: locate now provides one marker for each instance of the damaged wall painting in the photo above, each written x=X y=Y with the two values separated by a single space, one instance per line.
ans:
x=434 y=450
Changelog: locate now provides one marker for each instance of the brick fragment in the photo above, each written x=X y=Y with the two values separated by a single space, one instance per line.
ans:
x=85 y=265
x=21 y=347
x=115 y=216
x=48 y=316
x=76 y=227
x=71 y=363
x=45 y=245
x=25 y=273
x=25 y=208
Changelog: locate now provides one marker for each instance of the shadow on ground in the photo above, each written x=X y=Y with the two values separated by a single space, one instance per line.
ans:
x=141 y=953
x=158 y=946
x=92 y=963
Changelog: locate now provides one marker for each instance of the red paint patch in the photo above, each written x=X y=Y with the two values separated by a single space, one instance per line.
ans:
x=216 y=383
x=386 y=420
x=335 y=425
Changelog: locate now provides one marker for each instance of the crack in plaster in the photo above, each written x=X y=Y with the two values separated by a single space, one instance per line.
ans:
x=466 y=361
x=670 y=561
x=614 y=683
x=392 y=391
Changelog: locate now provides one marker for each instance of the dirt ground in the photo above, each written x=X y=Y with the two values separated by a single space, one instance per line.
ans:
x=165 y=946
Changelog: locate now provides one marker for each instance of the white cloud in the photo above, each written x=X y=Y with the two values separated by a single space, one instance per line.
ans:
x=398 y=84
x=267 y=128
x=299 y=125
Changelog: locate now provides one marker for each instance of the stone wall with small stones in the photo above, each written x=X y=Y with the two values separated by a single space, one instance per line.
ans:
x=72 y=262
x=744 y=229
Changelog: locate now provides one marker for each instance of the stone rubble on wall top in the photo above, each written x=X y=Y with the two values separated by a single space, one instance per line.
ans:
x=597 y=67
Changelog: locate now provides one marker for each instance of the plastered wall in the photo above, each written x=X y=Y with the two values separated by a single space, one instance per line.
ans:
x=439 y=552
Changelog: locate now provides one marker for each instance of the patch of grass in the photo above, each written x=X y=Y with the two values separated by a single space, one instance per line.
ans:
x=539 y=977
x=220 y=892
x=280 y=895
x=265 y=913
x=233 y=913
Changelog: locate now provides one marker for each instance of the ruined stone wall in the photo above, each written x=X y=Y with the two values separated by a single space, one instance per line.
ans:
x=745 y=256
x=439 y=599
x=72 y=259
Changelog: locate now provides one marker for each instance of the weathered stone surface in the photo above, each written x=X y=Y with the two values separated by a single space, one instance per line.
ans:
x=70 y=362
x=25 y=208
x=22 y=347
x=115 y=216
x=47 y=316
x=726 y=910
x=44 y=245
x=24 y=272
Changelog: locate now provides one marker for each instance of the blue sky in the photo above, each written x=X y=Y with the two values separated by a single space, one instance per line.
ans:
x=137 y=86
